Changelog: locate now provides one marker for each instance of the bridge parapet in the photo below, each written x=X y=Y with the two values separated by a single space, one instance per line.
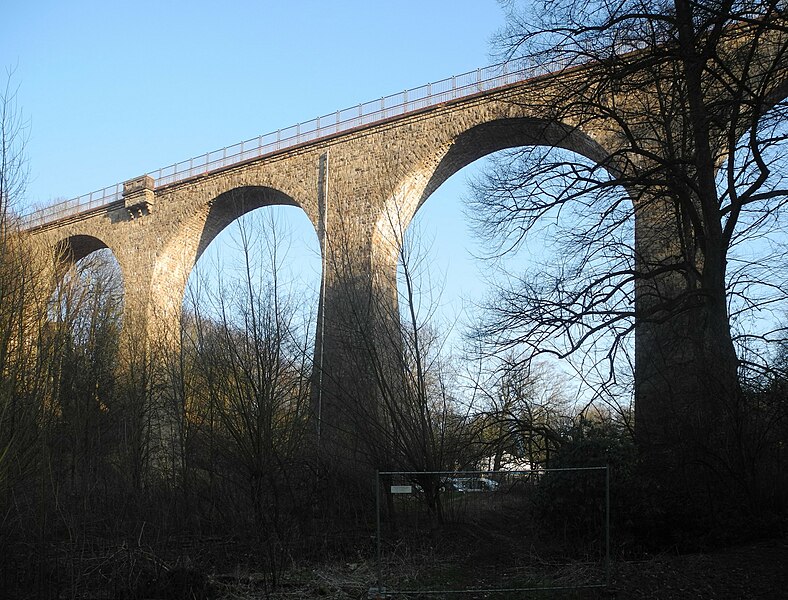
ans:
x=393 y=106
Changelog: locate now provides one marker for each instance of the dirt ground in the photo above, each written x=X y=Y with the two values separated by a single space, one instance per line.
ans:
x=756 y=570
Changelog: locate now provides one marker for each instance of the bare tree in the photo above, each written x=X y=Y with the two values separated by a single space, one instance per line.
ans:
x=250 y=392
x=13 y=139
x=671 y=231
x=85 y=325
x=21 y=312
x=408 y=416
x=523 y=416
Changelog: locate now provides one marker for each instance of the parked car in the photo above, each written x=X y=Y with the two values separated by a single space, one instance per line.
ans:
x=454 y=484
x=489 y=484
x=471 y=484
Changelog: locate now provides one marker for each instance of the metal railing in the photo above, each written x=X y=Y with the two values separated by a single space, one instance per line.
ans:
x=395 y=105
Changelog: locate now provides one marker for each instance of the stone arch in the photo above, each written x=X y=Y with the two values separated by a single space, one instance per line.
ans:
x=470 y=145
x=777 y=92
x=76 y=247
x=69 y=250
x=181 y=252
x=233 y=204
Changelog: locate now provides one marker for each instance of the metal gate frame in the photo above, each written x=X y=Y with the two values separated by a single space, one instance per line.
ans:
x=379 y=591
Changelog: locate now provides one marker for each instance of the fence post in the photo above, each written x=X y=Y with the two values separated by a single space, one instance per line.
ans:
x=607 y=525
x=379 y=583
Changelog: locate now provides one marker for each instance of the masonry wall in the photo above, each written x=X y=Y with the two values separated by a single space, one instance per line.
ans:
x=375 y=179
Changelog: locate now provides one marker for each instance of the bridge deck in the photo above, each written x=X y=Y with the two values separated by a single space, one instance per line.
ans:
x=362 y=115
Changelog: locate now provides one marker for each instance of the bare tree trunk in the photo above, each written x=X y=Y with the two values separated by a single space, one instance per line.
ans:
x=687 y=382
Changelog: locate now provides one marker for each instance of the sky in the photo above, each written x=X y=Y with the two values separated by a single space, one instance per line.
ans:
x=112 y=90
x=116 y=89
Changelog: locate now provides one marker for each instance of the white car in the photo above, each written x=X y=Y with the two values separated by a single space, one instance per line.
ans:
x=471 y=484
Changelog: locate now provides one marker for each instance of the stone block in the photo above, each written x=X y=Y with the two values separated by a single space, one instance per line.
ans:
x=138 y=184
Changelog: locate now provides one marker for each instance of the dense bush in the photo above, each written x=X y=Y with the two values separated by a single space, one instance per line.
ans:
x=571 y=504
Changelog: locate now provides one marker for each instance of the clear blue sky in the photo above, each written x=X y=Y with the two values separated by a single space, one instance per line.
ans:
x=116 y=89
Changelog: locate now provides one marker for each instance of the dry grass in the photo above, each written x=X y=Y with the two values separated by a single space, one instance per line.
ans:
x=757 y=570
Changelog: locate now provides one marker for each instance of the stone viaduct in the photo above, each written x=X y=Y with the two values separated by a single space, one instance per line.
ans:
x=359 y=175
